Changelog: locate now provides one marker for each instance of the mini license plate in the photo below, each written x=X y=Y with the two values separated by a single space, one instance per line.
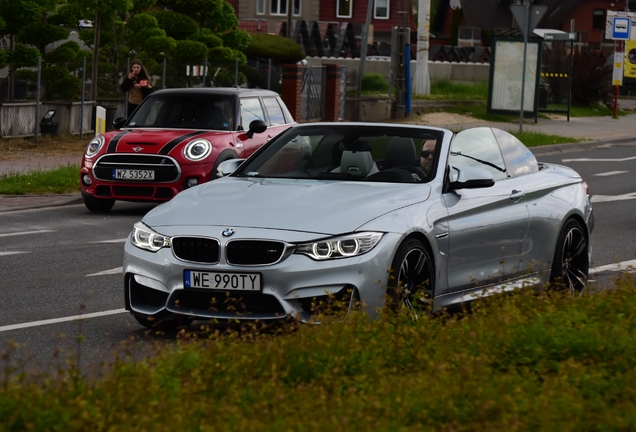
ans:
x=222 y=281
x=128 y=174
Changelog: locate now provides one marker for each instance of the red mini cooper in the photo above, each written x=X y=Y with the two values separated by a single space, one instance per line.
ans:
x=175 y=140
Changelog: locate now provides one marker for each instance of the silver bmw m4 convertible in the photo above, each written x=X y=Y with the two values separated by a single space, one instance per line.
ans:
x=369 y=214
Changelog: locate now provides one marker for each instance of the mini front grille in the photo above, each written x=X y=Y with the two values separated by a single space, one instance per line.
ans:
x=196 y=249
x=128 y=191
x=206 y=302
x=254 y=252
x=165 y=168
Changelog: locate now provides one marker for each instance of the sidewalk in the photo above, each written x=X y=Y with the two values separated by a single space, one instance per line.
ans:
x=597 y=131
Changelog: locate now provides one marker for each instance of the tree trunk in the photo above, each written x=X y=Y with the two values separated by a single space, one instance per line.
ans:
x=94 y=71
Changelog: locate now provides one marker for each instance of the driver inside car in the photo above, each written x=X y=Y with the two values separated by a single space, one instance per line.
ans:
x=427 y=155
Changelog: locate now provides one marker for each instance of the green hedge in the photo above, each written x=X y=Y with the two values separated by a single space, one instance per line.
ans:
x=523 y=362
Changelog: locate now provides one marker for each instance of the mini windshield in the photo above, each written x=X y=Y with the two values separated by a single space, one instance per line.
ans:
x=351 y=152
x=185 y=112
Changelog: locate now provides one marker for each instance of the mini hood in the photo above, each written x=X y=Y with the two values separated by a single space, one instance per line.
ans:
x=153 y=141
x=325 y=207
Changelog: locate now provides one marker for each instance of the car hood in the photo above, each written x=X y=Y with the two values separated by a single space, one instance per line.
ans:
x=153 y=141
x=323 y=207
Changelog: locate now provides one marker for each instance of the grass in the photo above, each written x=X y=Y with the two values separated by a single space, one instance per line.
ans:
x=536 y=139
x=55 y=181
x=447 y=90
x=522 y=362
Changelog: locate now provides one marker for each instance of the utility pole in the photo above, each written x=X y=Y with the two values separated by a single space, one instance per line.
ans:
x=422 y=80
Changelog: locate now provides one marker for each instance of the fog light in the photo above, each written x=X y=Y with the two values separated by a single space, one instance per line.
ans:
x=192 y=182
x=86 y=180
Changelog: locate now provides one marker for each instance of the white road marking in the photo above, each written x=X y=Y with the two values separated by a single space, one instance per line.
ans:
x=609 y=173
x=20 y=252
x=60 y=320
x=610 y=198
x=118 y=240
x=600 y=160
x=117 y=270
x=25 y=233
x=621 y=266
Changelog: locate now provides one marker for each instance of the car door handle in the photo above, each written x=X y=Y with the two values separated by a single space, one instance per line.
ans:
x=516 y=195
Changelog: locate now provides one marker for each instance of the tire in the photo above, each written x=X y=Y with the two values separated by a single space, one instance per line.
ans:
x=98 y=205
x=412 y=278
x=571 y=260
x=168 y=326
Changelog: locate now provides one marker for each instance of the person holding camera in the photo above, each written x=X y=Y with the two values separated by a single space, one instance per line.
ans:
x=137 y=84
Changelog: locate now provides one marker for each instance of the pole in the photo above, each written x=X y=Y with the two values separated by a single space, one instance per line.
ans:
x=289 y=18
x=364 y=41
x=82 y=105
x=126 y=102
x=163 y=74
x=269 y=73
x=617 y=52
x=523 y=73
x=236 y=73
x=37 y=98
x=571 y=70
x=422 y=78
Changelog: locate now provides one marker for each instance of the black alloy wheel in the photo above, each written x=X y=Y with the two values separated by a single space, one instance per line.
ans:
x=571 y=260
x=411 y=278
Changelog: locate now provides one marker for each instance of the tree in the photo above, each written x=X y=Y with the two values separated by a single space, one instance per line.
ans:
x=17 y=14
x=96 y=10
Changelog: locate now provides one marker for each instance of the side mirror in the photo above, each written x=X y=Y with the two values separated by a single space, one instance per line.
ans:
x=469 y=178
x=119 y=122
x=257 y=126
x=228 y=167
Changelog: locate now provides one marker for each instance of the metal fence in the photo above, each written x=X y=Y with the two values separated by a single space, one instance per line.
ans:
x=18 y=119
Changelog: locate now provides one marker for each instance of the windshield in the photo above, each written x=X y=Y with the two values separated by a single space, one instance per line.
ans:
x=355 y=153
x=185 y=112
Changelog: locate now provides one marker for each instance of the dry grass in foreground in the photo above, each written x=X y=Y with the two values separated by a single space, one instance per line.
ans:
x=26 y=148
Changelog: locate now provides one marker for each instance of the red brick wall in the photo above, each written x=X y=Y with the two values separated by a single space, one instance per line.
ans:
x=583 y=17
x=332 y=92
x=292 y=88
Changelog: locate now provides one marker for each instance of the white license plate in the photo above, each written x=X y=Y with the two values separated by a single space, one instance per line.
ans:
x=128 y=174
x=222 y=281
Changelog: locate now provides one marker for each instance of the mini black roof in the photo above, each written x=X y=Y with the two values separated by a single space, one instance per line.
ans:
x=227 y=91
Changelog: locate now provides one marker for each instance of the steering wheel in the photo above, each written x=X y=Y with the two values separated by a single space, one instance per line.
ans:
x=417 y=174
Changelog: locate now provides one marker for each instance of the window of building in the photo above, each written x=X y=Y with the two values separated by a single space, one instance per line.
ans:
x=260 y=7
x=279 y=7
x=344 y=8
x=381 y=9
x=598 y=20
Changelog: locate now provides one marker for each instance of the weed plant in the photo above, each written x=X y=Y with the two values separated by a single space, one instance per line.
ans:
x=55 y=181
x=520 y=362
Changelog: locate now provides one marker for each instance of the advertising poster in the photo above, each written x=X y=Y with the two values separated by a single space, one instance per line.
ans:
x=630 y=59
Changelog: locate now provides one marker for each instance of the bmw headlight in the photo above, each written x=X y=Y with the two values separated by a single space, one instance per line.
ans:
x=346 y=246
x=197 y=149
x=146 y=239
x=94 y=145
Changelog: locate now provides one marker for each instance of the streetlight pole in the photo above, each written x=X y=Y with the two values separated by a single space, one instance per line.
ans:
x=422 y=79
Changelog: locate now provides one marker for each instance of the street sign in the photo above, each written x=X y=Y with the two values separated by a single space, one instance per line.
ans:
x=620 y=28
x=559 y=36
x=535 y=14
x=618 y=25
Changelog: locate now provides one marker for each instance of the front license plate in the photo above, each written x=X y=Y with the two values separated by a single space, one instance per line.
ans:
x=222 y=281
x=128 y=174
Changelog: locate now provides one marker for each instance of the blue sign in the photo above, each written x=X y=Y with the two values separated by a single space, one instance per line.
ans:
x=620 y=29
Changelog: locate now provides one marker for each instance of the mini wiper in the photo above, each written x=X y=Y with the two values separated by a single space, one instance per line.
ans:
x=490 y=164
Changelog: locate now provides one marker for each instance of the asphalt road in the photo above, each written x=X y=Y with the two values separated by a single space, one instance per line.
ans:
x=58 y=263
